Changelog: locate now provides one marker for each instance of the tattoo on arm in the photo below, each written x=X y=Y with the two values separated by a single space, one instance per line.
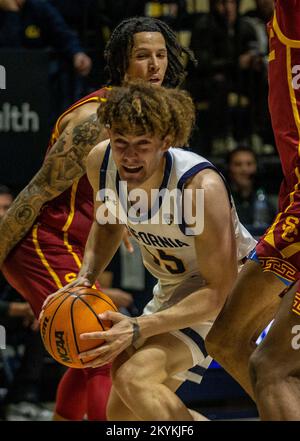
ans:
x=64 y=164
x=68 y=159
x=87 y=134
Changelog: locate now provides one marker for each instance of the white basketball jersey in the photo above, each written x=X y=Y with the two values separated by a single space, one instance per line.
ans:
x=168 y=252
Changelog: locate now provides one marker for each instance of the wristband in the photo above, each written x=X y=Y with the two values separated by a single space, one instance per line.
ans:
x=136 y=331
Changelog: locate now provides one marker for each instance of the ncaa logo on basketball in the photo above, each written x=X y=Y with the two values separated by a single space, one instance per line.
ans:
x=61 y=347
x=2 y=337
x=296 y=339
x=2 y=77
x=296 y=78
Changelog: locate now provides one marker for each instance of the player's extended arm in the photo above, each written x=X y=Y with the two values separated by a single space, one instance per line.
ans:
x=65 y=162
x=103 y=240
x=101 y=246
x=217 y=259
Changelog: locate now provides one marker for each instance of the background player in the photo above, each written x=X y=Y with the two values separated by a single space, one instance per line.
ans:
x=167 y=340
x=53 y=214
x=275 y=263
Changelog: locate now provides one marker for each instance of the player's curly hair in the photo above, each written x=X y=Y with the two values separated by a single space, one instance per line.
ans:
x=139 y=107
x=120 y=44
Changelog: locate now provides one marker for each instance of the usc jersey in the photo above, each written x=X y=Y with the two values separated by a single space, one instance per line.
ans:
x=71 y=212
x=278 y=250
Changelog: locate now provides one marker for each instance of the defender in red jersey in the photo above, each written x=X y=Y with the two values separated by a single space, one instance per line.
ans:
x=49 y=221
x=274 y=265
x=50 y=254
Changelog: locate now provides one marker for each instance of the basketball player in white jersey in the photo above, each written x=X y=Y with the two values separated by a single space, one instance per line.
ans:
x=195 y=267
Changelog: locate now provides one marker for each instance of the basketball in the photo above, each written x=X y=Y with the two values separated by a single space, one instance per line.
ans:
x=70 y=314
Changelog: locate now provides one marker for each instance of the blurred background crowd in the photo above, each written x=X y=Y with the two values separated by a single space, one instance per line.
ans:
x=61 y=44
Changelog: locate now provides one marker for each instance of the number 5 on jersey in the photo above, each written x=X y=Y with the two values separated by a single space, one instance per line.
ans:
x=171 y=263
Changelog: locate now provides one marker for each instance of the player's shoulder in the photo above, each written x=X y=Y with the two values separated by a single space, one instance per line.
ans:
x=207 y=176
x=208 y=179
x=78 y=114
x=94 y=162
x=96 y=155
x=216 y=197
x=83 y=108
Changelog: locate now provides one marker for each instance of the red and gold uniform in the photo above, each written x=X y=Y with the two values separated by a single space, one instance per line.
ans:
x=50 y=255
x=278 y=250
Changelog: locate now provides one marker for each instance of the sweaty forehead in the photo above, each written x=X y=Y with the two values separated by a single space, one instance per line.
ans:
x=148 y=40
x=128 y=130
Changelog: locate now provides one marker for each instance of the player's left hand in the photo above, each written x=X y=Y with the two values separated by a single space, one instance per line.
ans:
x=118 y=338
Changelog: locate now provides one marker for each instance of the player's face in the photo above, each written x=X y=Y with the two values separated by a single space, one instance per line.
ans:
x=5 y=203
x=137 y=157
x=242 y=168
x=149 y=58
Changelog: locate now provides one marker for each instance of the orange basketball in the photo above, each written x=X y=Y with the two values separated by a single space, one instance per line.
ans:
x=70 y=314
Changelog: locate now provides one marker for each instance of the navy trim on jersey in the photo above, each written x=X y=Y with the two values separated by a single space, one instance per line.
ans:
x=198 y=370
x=196 y=169
x=158 y=202
x=196 y=338
x=192 y=172
x=103 y=169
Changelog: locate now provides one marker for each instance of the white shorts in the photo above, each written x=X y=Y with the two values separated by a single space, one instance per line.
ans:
x=194 y=338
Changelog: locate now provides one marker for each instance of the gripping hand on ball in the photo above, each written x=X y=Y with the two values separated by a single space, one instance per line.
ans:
x=81 y=280
x=123 y=333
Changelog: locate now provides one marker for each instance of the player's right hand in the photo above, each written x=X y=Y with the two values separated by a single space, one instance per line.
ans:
x=79 y=281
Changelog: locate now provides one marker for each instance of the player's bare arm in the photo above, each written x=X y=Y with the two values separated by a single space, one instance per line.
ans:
x=65 y=162
x=216 y=253
x=106 y=237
